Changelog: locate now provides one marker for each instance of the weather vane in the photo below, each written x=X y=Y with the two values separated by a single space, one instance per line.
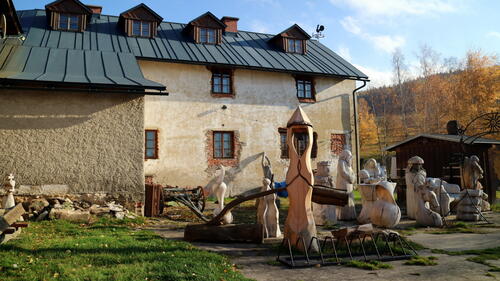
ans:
x=319 y=30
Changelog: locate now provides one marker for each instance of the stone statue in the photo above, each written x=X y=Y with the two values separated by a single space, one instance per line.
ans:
x=372 y=172
x=324 y=214
x=385 y=212
x=424 y=215
x=415 y=176
x=266 y=167
x=444 y=199
x=219 y=189
x=267 y=212
x=8 y=200
x=472 y=173
x=345 y=181
x=299 y=223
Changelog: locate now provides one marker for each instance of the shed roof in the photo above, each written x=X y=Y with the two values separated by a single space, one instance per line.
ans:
x=452 y=138
x=245 y=50
x=88 y=68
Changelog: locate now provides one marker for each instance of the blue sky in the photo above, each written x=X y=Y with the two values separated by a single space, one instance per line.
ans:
x=365 y=32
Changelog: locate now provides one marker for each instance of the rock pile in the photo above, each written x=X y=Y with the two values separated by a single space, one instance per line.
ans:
x=64 y=208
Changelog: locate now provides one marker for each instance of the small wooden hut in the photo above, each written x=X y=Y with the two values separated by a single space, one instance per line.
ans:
x=441 y=154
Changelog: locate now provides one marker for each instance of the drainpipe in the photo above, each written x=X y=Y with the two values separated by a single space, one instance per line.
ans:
x=356 y=132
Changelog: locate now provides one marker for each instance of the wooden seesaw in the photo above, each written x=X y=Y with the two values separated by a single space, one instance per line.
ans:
x=213 y=231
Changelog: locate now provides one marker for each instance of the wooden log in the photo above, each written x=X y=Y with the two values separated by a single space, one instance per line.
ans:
x=329 y=196
x=11 y=216
x=19 y=224
x=253 y=233
x=348 y=231
x=9 y=230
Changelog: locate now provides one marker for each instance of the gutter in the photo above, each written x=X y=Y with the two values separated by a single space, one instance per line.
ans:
x=356 y=126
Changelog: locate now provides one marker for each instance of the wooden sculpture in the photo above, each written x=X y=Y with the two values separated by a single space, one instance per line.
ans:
x=299 y=225
x=385 y=212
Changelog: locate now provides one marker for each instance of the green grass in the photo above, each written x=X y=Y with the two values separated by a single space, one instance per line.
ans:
x=480 y=256
x=459 y=227
x=106 y=250
x=424 y=261
x=371 y=265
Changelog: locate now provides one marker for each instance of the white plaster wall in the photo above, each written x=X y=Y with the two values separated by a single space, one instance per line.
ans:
x=263 y=103
x=86 y=142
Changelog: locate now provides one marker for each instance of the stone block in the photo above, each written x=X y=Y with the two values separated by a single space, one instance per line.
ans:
x=70 y=215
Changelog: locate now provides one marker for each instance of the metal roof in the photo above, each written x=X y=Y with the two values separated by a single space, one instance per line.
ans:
x=90 y=68
x=452 y=138
x=242 y=49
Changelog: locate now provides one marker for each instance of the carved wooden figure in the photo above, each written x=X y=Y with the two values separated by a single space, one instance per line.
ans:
x=324 y=214
x=271 y=213
x=385 y=212
x=8 y=200
x=345 y=181
x=219 y=189
x=415 y=176
x=299 y=179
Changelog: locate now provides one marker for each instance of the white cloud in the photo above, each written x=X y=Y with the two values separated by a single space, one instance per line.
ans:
x=494 y=34
x=377 y=77
x=344 y=52
x=399 y=7
x=259 y=26
x=386 y=43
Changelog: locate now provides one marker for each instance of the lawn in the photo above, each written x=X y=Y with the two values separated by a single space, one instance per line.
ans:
x=106 y=250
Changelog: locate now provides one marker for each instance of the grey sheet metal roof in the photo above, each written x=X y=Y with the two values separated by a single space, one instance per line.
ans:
x=246 y=49
x=452 y=138
x=78 y=67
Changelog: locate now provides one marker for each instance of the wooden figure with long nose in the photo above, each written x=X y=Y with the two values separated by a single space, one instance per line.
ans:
x=299 y=179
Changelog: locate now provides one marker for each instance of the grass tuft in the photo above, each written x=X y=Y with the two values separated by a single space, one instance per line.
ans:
x=481 y=256
x=423 y=261
x=371 y=265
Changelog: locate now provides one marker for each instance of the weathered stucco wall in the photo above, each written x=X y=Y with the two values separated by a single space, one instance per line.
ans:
x=89 y=142
x=263 y=103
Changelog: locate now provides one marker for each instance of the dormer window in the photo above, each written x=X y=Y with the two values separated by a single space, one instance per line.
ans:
x=140 y=21
x=141 y=28
x=292 y=40
x=69 y=22
x=207 y=35
x=205 y=29
x=294 y=46
x=68 y=15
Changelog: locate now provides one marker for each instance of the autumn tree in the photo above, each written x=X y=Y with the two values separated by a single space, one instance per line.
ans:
x=400 y=75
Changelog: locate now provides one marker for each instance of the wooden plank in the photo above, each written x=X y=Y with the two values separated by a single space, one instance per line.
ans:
x=253 y=233
x=11 y=217
x=20 y=224
x=347 y=231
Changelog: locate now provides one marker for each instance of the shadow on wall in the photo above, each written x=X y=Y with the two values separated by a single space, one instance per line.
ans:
x=232 y=173
x=33 y=110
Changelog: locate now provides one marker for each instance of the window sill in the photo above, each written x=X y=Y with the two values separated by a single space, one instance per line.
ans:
x=220 y=95
x=304 y=100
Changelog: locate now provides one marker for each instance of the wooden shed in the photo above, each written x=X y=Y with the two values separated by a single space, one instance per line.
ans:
x=441 y=155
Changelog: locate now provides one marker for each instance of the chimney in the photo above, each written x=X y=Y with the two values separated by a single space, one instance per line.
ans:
x=232 y=24
x=95 y=9
x=452 y=127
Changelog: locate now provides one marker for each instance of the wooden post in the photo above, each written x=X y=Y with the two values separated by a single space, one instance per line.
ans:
x=299 y=179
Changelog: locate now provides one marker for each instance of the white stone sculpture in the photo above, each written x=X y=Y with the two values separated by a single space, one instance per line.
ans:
x=469 y=206
x=267 y=212
x=415 y=176
x=385 y=212
x=372 y=172
x=345 y=181
x=324 y=214
x=368 y=198
x=219 y=189
x=424 y=215
x=8 y=200
x=472 y=173
x=267 y=167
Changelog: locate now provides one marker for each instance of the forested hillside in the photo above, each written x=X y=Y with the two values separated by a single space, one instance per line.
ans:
x=442 y=90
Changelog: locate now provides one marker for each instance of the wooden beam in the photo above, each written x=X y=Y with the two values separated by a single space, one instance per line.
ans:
x=252 y=233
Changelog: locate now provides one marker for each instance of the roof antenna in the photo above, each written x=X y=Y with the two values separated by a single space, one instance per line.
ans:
x=319 y=32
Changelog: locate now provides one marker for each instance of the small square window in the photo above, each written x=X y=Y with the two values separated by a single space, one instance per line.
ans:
x=151 y=144
x=141 y=28
x=207 y=35
x=69 y=22
x=305 y=89
x=222 y=82
x=223 y=144
x=295 y=46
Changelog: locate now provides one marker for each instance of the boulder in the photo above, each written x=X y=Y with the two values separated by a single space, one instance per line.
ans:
x=70 y=215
